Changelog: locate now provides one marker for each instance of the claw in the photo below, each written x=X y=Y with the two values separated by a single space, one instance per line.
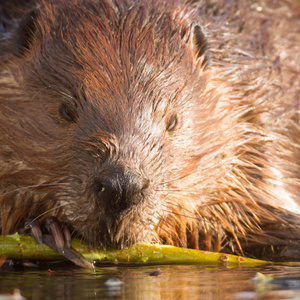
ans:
x=54 y=228
x=33 y=226
x=67 y=235
x=71 y=254
x=58 y=237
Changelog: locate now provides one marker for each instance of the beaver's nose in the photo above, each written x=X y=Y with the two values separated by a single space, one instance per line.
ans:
x=119 y=191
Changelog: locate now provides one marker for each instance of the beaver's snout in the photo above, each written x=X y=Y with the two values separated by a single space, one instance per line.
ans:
x=119 y=190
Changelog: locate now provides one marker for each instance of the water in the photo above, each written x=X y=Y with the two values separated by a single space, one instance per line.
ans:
x=137 y=282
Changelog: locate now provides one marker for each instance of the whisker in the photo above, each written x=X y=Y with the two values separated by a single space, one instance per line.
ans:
x=177 y=191
x=49 y=210
x=74 y=232
x=41 y=201
x=192 y=212
x=179 y=178
x=31 y=186
x=64 y=94
x=181 y=215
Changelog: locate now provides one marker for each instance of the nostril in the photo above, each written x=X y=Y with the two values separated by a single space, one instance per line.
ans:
x=100 y=189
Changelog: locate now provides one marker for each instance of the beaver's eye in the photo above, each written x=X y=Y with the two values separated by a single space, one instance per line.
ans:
x=171 y=122
x=67 y=113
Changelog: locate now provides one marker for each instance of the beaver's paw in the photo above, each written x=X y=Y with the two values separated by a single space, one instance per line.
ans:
x=60 y=233
x=56 y=235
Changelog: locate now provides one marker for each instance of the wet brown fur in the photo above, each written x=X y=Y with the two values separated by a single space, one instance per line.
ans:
x=226 y=178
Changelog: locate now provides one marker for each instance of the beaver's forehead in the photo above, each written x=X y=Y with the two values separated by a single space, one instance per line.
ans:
x=128 y=40
x=132 y=55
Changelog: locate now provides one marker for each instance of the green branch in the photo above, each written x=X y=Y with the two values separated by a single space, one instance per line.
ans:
x=18 y=247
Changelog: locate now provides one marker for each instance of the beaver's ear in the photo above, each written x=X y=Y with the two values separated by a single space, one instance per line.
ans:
x=200 y=45
x=25 y=33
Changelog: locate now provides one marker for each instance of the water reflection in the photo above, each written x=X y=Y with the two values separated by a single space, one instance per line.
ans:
x=146 y=282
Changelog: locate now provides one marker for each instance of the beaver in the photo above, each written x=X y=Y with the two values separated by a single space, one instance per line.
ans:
x=173 y=122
